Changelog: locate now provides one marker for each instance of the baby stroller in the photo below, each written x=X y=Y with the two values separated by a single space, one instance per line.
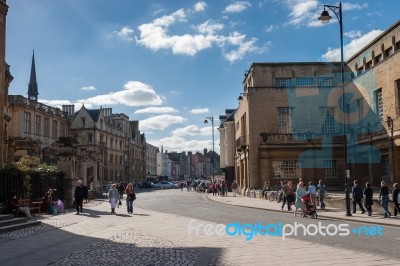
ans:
x=309 y=209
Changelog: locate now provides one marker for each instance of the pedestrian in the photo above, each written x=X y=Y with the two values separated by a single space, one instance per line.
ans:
x=213 y=189
x=226 y=188
x=121 y=190
x=14 y=204
x=223 y=188
x=113 y=198
x=79 y=196
x=384 y=199
x=368 y=193
x=357 y=193
x=130 y=197
x=188 y=185
x=234 y=187
x=312 y=190
x=182 y=185
x=300 y=192
x=288 y=192
x=264 y=190
x=321 y=189
x=396 y=199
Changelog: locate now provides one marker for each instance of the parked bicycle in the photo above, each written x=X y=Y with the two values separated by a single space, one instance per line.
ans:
x=273 y=196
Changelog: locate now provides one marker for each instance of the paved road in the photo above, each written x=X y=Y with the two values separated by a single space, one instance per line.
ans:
x=195 y=205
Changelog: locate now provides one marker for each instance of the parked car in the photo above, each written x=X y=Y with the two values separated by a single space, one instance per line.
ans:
x=165 y=184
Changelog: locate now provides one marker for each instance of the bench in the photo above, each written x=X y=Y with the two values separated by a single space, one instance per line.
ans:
x=33 y=206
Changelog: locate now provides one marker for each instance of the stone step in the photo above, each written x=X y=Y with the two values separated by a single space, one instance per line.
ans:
x=9 y=228
x=13 y=221
x=6 y=217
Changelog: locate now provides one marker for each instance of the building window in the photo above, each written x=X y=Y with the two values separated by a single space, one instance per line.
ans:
x=329 y=123
x=379 y=103
x=388 y=52
x=46 y=127
x=385 y=164
x=27 y=122
x=62 y=129
x=83 y=121
x=304 y=81
x=368 y=65
x=285 y=120
x=397 y=45
x=38 y=122
x=361 y=109
x=283 y=82
x=330 y=168
x=397 y=86
x=55 y=130
x=378 y=59
x=90 y=138
x=360 y=71
x=286 y=169
x=325 y=82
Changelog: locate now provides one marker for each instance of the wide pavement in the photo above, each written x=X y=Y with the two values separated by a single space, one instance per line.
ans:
x=156 y=238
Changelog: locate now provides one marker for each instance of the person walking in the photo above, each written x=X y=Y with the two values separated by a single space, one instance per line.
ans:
x=113 y=198
x=121 y=189
x=79 y=196
x=357 y=197
x=321 y=190
x=287 y=193
x=396 y=199
x=384 y=199
x=130 y=197
x=213 y=189
x=234 y=187
x=300 y=192
x=312 y=190
x=368 y=193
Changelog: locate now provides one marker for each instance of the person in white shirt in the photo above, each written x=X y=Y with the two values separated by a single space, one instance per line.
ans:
x=312 y=190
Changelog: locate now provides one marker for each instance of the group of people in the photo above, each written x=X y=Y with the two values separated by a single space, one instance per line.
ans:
x=367 y=193
x=115 y=195
x=219 y=188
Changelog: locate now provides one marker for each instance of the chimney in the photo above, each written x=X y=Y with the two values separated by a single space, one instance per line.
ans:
x=69 y=109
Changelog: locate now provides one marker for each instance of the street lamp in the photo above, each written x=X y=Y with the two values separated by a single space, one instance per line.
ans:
x=324 y=18
x=211 y=118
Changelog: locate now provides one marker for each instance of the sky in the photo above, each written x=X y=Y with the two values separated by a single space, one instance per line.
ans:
x=172 y=63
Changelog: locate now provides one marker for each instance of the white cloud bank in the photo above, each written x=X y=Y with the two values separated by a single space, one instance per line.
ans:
x=160 y=122
x=333 y=54
x=156 y=110
x=89 y=88
x=155 y=36
x=199 y=111
x=237 y=7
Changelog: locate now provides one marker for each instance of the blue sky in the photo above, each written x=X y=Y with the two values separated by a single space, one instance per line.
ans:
x=171 y=63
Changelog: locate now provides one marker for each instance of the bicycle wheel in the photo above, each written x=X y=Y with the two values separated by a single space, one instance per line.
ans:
x=272 y=196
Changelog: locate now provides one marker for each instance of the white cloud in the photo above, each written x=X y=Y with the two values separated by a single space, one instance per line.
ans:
x=209 y=27
x=174 y=92
x=160 y=122
x=192 y=130
x=199 y=111
x=156 y=110
x=271 y=28
x=200 y=6
x=237 y=7
x=353 y=34
x=125 y=34
x=333 y=54
x=179 y=143
x=89 y=88
x=154 y=35
x=134 y=93
x=349 y=6
x=55 y=103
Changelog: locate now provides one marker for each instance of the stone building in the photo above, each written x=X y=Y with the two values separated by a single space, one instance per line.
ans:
x=151 y=160
x=5 y=79
x=296 y=120
x=33 y=126
x=227 y=144
x=375 y=73
x=284 y=125
x=109 y=146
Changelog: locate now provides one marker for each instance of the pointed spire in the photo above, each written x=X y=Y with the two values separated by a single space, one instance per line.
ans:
x=33 y=86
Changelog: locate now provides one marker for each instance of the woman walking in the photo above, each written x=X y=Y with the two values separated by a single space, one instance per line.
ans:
x=113 y=197
x=384 y=198
x=300 y=192
x=368 y=193
x=130 y=197
x=396 y=199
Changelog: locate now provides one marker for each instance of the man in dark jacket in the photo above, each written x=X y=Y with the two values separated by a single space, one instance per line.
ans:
x=357 y=197
x=79 y=195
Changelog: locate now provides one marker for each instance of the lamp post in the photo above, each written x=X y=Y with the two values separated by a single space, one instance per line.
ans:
x=324 y=18
x=211 y=118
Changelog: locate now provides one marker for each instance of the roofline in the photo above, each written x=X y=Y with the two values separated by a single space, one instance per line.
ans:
x=366 y=47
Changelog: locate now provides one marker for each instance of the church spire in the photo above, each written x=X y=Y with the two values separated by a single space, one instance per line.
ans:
x=33 y=86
